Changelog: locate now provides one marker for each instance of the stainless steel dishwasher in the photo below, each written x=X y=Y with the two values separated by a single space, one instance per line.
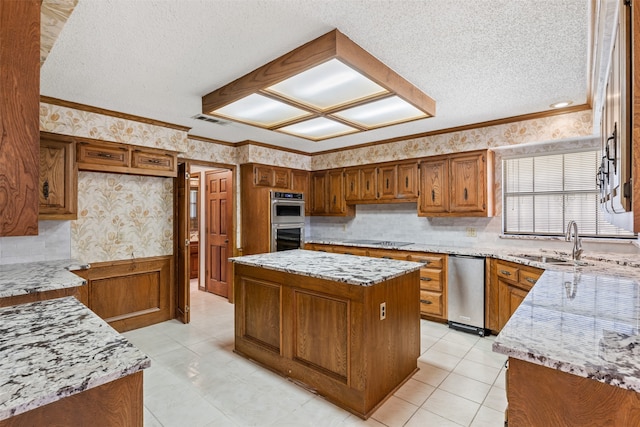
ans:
x=465 y=293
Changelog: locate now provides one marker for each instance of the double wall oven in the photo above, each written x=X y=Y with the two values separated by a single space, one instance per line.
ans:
x=287 y=221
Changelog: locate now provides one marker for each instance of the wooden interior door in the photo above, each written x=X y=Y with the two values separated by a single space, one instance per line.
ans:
x=219 y=220
x=181 y=190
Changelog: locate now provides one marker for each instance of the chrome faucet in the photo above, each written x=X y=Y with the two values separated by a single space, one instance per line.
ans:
x=577 y=243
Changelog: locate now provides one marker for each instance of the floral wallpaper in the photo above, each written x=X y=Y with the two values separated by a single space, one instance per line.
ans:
x=259 y=154
x=529 y=131
x=53 y=16
x=122 y=216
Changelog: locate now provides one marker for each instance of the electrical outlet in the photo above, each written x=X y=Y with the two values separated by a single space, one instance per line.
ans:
x=471 y=232
x=383 y=310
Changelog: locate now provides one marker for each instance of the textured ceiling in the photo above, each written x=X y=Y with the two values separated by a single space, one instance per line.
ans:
x=479 y=59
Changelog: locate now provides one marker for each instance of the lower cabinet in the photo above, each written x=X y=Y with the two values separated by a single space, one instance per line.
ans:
x=131 y=294
x=80 y=292
x=194 y=260
x=509 y=283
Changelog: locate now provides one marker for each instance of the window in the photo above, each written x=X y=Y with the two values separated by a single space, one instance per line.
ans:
x=542 y=194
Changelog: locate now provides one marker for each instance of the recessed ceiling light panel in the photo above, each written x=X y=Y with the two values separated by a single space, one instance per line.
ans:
x=318 y=128
x=328 y=85
x=384 y=112
x=260 y=110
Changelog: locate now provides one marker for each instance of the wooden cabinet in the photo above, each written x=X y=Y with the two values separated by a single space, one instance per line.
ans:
x=274 y=177
x=131 y=294
x=194 y=260
x=457 y=185
x=81 y=293
x=19 y=112
x=58 y=178
x=328 y=197
x=383 y=183
x=328 y=334
x=300 y=184
x=102 y=156
x=508 y=284
x=433 y=285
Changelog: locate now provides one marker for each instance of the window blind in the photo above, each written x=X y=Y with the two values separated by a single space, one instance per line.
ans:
x=542 y=194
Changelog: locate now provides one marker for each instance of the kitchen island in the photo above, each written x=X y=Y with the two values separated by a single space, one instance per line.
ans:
x=574 y=352
x=344 y=326
x=60 y=364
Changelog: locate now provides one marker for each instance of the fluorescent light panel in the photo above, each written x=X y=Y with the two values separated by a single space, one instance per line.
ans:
x=327 y=85
x=384 y=112
x=260 y=110
x=318 y=128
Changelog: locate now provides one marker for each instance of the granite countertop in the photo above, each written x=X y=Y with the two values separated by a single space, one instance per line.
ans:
x=619 y=265
x=32 y=277
x=56 y=348
x=350 y=269
x=584 y=324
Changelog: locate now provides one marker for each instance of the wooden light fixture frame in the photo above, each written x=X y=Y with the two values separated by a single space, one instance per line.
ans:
x=333 y=45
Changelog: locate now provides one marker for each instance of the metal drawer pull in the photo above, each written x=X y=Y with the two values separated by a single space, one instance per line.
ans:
x=531 y=280
x=424 y=301
x=105 y=155
x=505 y=272
x=45 y=189
x=433 y=195
x=466 y=194
x=386 y=257
x=154 y=161
x=426 y=279
x=406 y=182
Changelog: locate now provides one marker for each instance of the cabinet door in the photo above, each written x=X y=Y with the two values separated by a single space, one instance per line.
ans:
x=318 y=193
x=434 y=188
x=281 y=178
x=352 y=185
x=93 y=156
x=300 y=184
x=407 y=181
x=263 y=176
x=387 y=178
x=58 y=180
x=468 y=183
x=336 y=191
x=368 y=183
x=509 y=297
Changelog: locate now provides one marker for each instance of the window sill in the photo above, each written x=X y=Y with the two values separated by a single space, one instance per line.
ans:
x=619 y=241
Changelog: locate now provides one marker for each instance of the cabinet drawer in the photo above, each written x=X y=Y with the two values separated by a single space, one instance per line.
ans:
x=507 y=272
x=102 y=155
x=528 y=278
x=431 y=279
x=431 y=303
x=388 y=254
x=153 y=161
x=429 y=260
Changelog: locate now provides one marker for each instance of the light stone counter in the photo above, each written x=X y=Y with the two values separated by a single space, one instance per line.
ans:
x=583 y=324
x=56 y=348
x=354 y=270
x=32 y=277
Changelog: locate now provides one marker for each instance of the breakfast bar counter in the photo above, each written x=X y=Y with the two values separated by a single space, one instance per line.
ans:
x=60 y=364
x=346 y=327
x=574 y=351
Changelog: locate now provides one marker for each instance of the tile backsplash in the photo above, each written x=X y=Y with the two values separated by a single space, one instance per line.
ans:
x=52 y=242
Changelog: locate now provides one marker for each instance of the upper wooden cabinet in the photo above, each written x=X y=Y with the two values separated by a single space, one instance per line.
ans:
x=300 y=184
x=19 y=113
x=102 y=156
x=382 y=183
x=58 y=178
x=457 y=185
x=328 y=196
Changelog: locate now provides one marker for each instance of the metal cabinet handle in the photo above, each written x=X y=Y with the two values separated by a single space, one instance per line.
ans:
x=426 y=279
x=433 y=195
x=352 y=186
x=424 y=261
x=367 y=185
x=386 y=257
x=466 y=194
x=406 y=182
x=334 y=199
x=531 y=280
x=505 y=272
x=45 y=189
x=424 y=301
x=105 y=155
x=387 y=183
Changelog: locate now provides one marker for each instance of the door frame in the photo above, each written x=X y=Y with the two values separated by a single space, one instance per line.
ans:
x=234 y=224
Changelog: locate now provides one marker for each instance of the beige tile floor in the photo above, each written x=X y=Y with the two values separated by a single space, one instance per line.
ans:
x=195 y=379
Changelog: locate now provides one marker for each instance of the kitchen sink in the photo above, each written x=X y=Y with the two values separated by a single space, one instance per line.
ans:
x=385 y=243
x=547 y=259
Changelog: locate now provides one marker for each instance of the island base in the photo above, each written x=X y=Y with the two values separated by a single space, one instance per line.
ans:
x=332 y=337
x=541 y=396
